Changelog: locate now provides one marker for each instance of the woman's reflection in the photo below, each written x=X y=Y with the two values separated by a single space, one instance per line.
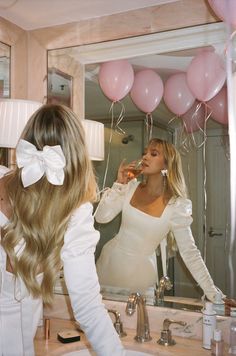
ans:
x=150 y=211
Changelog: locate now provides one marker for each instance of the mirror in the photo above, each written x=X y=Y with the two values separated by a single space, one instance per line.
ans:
x=167 y=53
x=5 y=52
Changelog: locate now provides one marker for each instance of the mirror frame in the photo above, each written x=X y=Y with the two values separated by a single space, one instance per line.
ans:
x=163 y=42
x=158 y=43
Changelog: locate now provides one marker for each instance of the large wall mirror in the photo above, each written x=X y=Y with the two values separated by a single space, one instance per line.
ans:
x=206 y=165
x=5 y=53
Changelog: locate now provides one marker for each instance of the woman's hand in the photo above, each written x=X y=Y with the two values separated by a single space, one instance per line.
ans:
x=229 y=303
x=127 y=172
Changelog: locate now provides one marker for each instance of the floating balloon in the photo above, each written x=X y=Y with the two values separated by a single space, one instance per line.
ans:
x=177 y=95
x=147 y=90
x=225 y=10
x=194 y=118
x=219 y=107
x=116 y=79
x=206 y=75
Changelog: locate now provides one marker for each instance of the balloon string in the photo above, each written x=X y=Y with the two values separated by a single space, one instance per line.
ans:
x=207 y=115
x=173 y=119
x=204 y=196
x=118 y=129
x=149 y=125
x=109 y=146
x=120 y=118
x=203 y=145
x=189 y=141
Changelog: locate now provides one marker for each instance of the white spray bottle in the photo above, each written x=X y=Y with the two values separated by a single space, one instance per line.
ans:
x=208 y=325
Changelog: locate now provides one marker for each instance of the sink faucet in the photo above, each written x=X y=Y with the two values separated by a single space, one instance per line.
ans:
x=164 y=284
x=143 y=331
x=166 y=337
x=117 y=324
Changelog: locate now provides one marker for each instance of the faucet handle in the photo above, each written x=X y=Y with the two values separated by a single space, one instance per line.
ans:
x=166 y=335
x=118 y=325
x=166 y=283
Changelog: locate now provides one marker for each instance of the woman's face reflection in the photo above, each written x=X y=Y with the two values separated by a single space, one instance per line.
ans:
x=153 y=159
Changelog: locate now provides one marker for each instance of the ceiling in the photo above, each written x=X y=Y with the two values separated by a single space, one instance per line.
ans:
x=33 y=14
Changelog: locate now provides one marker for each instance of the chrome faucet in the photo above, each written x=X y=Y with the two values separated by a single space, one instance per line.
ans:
x=117 y=324
x=142 y=331
x=166 y=337
x=164 y=284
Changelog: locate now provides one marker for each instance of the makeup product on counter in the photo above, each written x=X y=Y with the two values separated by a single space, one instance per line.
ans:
x=208 y=325
x=232 y=333
x=47 y=329
x=217 y=344
x=66 y=336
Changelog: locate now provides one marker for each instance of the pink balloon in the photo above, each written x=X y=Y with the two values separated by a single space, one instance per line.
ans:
x=219 y=107
x=147 y=90
x=194 y=119
x=177 y=95
x=225 y=10
x=206 y=75
x=116 y=79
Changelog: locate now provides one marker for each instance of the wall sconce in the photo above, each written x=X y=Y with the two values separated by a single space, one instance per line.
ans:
x=94 y=136
x=14 y=114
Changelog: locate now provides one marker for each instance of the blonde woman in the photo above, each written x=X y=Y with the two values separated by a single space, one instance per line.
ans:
x=150 y=211
x=46 y=222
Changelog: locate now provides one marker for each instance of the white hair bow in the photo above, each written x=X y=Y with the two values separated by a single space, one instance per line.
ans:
x=50 y=161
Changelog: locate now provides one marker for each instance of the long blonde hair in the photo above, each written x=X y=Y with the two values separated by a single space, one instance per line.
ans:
x=41 y=212
x=174 y=180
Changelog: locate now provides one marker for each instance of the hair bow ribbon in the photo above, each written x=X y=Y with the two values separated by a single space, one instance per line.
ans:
x=35 y=163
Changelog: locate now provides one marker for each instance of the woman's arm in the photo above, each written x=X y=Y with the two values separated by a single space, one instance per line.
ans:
x=111 y=203
x=113 y=198
x=82 y=283
x=189 y=252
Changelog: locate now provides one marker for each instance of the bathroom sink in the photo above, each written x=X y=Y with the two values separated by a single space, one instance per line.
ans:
x=87 y=352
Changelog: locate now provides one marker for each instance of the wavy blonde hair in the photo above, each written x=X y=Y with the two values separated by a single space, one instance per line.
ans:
x=174 y=181
x=41 y=212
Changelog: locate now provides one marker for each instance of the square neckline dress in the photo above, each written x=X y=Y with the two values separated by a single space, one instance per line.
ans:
x=128 y=260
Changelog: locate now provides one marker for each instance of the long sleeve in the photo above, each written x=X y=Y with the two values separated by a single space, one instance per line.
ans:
x=112 y=201
x=180 y=226
x=81 y=280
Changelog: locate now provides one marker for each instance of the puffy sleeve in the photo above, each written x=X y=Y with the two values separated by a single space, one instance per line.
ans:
x=112 y=201
x=81 y=280
x=180 y=226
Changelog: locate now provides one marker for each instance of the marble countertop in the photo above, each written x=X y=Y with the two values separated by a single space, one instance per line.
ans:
x=53 y=347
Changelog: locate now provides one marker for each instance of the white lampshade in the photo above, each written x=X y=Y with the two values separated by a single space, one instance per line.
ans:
x=94 y=136
x=14 y=114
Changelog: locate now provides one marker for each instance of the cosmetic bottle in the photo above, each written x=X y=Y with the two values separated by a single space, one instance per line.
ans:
x=217 y=344
x=232 y=333
x=219 y=304
x=208 y=325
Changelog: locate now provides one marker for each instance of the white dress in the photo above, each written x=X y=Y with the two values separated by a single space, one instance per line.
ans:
x=129 y=260
x=20 y=313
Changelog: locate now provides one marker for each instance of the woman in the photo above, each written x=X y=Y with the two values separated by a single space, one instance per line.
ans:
x=150 y=211
x=46 y=222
